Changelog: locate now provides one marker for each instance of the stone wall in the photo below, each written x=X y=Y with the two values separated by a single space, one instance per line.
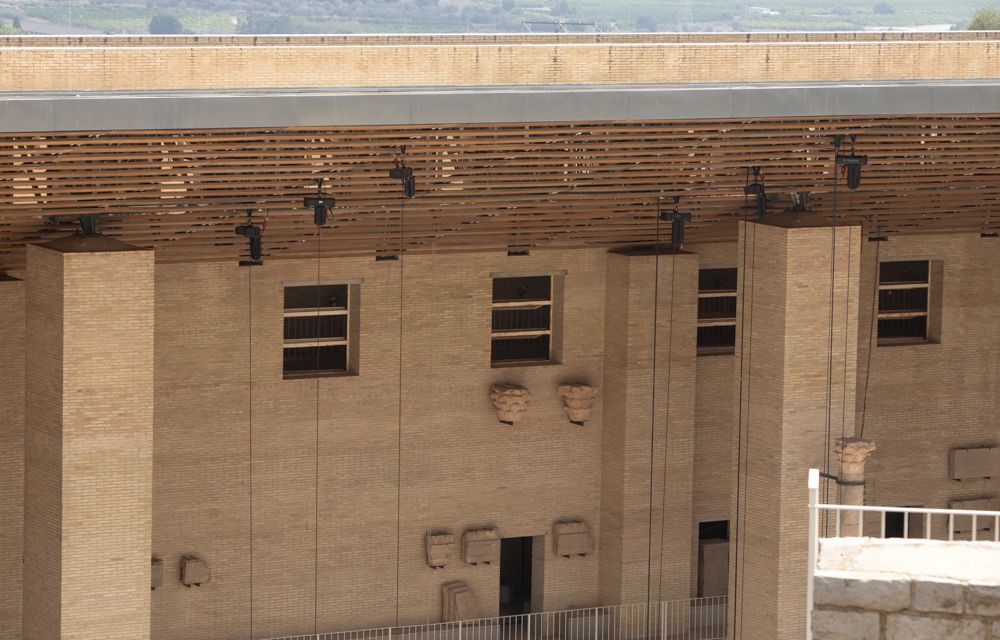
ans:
x=78 y=68
x=905 y=604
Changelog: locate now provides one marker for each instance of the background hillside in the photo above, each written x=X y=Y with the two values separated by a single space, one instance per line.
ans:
x=368 y=16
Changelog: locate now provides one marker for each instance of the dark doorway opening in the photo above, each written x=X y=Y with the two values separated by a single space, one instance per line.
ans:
x=713 y=558
x=515 y=576
x=899 y=524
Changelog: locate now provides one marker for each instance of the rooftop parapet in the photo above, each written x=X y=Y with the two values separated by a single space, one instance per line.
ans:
x=110 y=63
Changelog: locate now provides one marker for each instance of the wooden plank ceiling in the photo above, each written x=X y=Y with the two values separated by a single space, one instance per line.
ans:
x=486 y=187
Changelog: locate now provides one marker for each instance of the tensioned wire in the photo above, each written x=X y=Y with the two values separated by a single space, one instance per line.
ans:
x=652 y=419
x=736 y=534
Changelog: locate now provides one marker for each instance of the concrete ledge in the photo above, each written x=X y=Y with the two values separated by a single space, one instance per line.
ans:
x=165 y=110
x=970 y=562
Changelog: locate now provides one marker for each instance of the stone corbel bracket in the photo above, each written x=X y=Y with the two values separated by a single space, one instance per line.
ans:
x=457 y=602
x=481 y=546
x=510 y=401
x=194 y=571
x=578 y=398
x=440 y=546
x=572 y=538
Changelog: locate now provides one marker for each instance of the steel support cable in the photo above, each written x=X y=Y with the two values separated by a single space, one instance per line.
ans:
x=666 y=426
x=828 y=427
x=872 y=337
x=847 y=326
x=652 y=420
x=746 y=487
x=319 y=244
x=399 y=402
x=737 y=529
x=250 y=429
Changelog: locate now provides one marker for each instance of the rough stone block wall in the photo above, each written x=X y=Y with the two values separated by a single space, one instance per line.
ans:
x=878 y=606
x=427 y=65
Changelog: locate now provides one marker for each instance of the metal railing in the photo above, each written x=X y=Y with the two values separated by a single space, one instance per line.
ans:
x=696 y=619
x=967 y=524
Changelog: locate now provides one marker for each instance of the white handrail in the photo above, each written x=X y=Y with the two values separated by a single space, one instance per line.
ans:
x=813 y=546
x=956 y=512
x=693 y=619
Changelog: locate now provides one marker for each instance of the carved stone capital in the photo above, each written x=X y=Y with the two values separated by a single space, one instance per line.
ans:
x=511 y=401
x=852 y=453
x=578 y=399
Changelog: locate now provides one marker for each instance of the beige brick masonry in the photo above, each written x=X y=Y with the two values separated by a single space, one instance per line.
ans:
x=63 y=68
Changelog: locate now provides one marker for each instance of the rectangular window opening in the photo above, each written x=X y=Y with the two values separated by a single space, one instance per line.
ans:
x=904 y=289
x=522 y=320
x=316 y=330
x=717 y=311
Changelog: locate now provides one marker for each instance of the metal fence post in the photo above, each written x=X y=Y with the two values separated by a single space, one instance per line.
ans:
x=813 y=546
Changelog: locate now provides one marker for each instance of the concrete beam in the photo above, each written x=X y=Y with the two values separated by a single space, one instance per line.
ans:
x=164 y=110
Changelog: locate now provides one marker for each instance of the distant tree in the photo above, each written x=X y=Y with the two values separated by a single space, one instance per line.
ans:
x=16 y=23
x=10 y=29
x=985 y=19
x=256 y=23
x=883 y=8
x=165 y=24
x=645 y=23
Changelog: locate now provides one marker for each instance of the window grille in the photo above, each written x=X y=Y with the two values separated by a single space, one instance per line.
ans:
x=316 y=334
x=716 y=311
x=522 y=319
x=903 y=302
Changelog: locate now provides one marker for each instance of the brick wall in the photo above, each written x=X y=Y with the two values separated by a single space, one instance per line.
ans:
x=648 y=442
x=198 y=67
x=455 y=473
x=926 y=399
x=89 y=384
x=459 y=468
x=11 y=454
x=797 y=332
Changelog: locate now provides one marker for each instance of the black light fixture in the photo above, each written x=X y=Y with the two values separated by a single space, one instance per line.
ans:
x=255 y=235
x=800 y=201
x=404 y=173
x=88 y=224
x=321 y=204
x=758 y=191
x=850 y=161
x=676 y=220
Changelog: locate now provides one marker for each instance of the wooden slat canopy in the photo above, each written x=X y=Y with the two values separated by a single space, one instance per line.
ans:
x=487 y=187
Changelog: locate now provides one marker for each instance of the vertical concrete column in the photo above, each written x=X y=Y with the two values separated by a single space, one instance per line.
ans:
x=851 y=454
x=648 y=440
x=796 y=358
x=88 y=440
